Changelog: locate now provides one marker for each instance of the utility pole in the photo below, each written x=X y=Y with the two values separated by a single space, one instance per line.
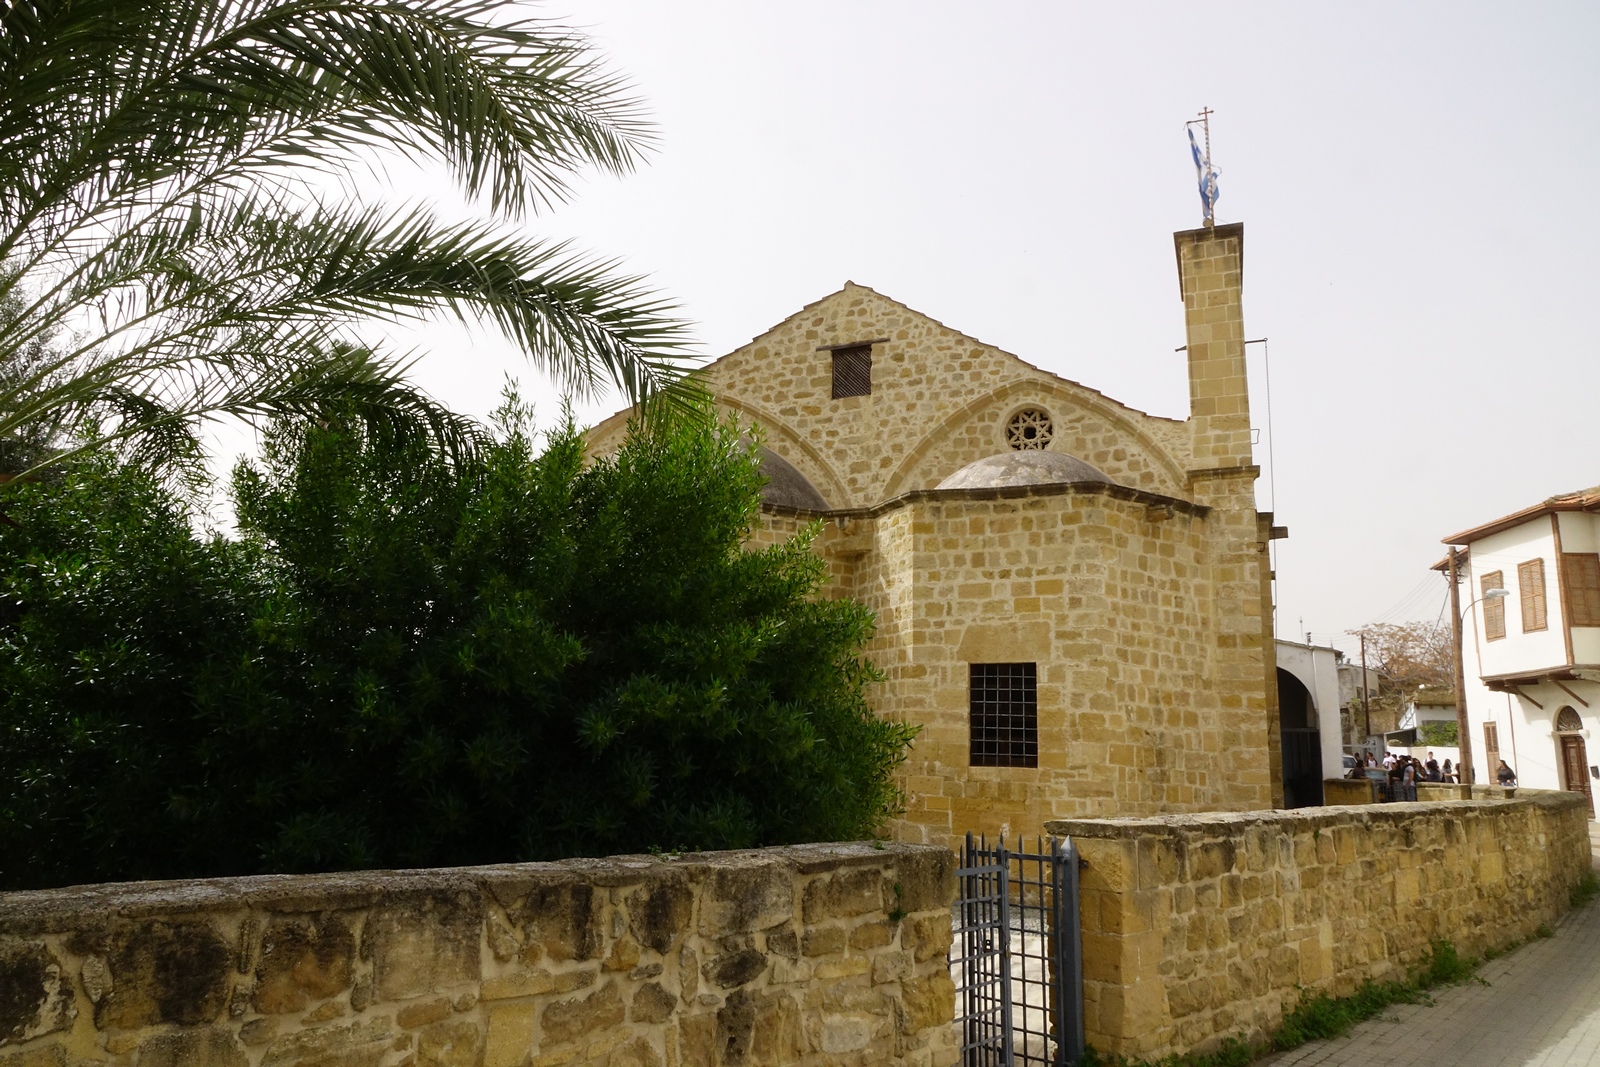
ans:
x=1465 y=738
x=1366 y=708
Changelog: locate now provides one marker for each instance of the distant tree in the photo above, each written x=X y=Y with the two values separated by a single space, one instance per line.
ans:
x=407 y=660
x=1411 y=654
x=1408 y=657
x=169 y=250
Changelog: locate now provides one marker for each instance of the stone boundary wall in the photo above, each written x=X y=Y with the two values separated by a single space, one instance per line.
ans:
x=1198 y=927
x=814 y=954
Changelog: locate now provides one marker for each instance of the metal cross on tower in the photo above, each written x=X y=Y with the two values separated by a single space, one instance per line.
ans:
x=1204 y=171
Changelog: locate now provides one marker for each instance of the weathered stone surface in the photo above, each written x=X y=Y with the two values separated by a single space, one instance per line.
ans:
x=303 y=959
x=429 y=1011
x=926 y=937
x=511 y=1034
x=924 y=879
x=35 y=996
x=697 y=1039
x=736 y=967
x=568 y=1020
x=425 y=943
x=362 y=1044
x=929 y=1001
x=743 y=898
x=561 y=922
x=636 y=1053
x=449 y=1044
x=39 y=1056
x=209 y=1046
x=165 y=973
x=659 y=913
x=843 y=895
x=652 y=1004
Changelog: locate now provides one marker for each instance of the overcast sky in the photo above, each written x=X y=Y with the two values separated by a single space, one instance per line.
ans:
x=1418 y=184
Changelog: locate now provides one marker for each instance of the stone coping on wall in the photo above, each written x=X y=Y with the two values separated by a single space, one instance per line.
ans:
x=809 y=954
x=87 y=906
x=1398 y=812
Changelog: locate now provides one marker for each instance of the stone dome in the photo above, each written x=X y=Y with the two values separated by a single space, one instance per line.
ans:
x=786 y=486
x=1024 y=468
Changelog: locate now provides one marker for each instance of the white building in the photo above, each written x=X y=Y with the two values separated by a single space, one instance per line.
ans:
x=1308 y=716
x=1432 y=706
x=1532 y=658
x=1358 y=686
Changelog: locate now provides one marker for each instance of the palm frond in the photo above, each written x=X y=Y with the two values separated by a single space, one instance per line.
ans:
x=151 y=209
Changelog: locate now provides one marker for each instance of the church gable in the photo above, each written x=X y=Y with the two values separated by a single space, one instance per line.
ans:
x=930 y=401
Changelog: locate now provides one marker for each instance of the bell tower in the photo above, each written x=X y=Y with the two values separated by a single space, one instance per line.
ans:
x=1211 y=274
x=1222 y=475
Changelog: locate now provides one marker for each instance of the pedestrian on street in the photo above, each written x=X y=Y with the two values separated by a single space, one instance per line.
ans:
x=1505 y=775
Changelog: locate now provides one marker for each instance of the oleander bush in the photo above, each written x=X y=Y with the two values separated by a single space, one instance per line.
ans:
x=408 y=658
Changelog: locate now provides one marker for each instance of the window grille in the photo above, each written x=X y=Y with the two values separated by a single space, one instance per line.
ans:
x=1580 y=584
x=1494 y=608
x=1568 y=721
x=1030 y=430
x=852 y=371
x=1530 y=584
x=1003 y=699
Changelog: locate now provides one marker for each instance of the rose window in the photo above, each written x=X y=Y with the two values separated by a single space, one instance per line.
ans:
x=1029 y=429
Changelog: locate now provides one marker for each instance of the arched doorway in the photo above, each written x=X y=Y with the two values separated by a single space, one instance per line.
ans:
x=1574 y=755
x=1301 y=743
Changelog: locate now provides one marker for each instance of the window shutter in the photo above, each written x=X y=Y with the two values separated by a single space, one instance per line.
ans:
x=1494 y=611
x=1580 y=584
x=1530 y=584
x=1491 y=743
x=852 y=371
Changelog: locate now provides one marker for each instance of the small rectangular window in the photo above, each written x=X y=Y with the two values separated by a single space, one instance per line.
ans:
x=852 y=371
x=1003 y=699
x=1580 y=584
x=1530 y=583
x=1494 y=609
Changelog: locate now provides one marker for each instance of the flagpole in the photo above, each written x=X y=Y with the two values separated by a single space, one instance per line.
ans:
x=1207 y=175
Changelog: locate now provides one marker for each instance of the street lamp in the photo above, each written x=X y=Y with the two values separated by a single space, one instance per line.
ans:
x=1456 y=617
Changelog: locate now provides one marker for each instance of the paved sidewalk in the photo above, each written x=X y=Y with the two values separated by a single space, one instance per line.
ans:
x=1540 y=1009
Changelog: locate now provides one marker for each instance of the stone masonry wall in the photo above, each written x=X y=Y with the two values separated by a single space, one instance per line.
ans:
x=1203 y=926
x=1141 y=707
x=817 y=954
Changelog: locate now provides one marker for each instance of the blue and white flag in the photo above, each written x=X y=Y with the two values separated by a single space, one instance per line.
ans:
x=1207 y=176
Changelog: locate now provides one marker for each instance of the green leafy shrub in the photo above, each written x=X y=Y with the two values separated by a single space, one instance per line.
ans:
x=404 y=661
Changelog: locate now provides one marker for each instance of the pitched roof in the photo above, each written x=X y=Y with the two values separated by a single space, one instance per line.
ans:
x=1580 y=500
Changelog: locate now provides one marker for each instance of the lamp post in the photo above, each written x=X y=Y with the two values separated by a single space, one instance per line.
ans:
x=1456 y=617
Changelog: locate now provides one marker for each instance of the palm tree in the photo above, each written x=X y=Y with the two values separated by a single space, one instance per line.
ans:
x=166 y=257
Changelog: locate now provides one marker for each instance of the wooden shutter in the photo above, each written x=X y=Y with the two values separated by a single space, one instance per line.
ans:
x=1580 y=584
x=852 y=371
x=1494 y=611
x=1491 y=749
x=1530 y=583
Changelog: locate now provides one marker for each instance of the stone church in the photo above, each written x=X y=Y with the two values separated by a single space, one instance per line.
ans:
x=1073 y=596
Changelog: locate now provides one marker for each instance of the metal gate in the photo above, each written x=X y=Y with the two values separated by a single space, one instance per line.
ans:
x=1017 y=957
x=1302 y=767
